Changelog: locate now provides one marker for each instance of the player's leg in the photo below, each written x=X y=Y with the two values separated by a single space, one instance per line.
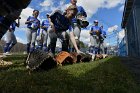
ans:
x=33 y=40
x=8 y=41
x=53 y=39
x=29 y=37
x=77 y=32
x=93 y=42
x=97 y=44
x=45 y=38
x=14 y=41
x=64 y=39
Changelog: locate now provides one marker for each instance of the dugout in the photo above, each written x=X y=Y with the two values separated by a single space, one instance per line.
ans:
x=131 y=24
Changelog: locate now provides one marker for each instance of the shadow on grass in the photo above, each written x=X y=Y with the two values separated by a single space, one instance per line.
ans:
x=93 y=77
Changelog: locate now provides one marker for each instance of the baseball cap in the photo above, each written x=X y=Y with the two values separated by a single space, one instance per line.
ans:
x=95 y=21
x=47 y=14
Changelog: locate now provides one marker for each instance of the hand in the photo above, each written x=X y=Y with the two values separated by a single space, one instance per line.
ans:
x=104 y=36
x=44 y=27
x=10 y=30
x=91 y=33
x=80 y=52
x=31 y=21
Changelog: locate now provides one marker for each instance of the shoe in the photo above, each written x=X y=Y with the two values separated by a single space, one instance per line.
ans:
x=8 y=54
x=25 y=53
x=4 y=54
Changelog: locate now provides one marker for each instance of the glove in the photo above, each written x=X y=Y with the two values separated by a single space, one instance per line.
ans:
x=39 y=59
x=63 y=58
x=83 y=23
x=80 y=57
x=98 y=56
x=76 y=57
x=86 y=57
x=98 y=33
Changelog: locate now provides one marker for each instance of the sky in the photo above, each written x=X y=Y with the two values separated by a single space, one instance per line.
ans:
x=107 y=12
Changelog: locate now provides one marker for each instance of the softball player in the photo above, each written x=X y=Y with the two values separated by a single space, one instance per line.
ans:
x=76 y=26
x=33 y=24
x=60 y=23
x=6 y=21
x=10 y=38
x=95 y=37
x=45 y=25
x=102 y=45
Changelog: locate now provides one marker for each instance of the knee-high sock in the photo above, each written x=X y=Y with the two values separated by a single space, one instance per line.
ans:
x=91 y=49
x=45 y=47
x=96 y=49
x=10 y=47
x=28 y=47
x=39 y=47
x=33 y=47
x=52 y=47
x=6 y=47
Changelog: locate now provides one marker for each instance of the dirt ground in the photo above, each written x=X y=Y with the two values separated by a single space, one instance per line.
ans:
x=133 y=64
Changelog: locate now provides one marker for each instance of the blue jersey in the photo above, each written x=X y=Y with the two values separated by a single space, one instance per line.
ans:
x=35 y=24
x=96 y=28
x=60 y=22
x=70 y=28
x=13 y=26
x=103 y=35
x=81 y=11
x=103 y=31
x=46 y=24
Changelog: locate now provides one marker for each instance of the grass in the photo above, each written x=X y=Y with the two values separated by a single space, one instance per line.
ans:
x=104 y=76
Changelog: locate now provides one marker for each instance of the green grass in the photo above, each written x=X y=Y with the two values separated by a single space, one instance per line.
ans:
x=104 y=76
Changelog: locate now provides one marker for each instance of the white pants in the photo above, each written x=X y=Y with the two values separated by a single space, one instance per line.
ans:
x=31 y=36
x=10 y=37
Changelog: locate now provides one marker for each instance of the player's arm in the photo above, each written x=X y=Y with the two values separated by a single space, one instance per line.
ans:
x=84 y=12
x=91 y=31
x=42 y=25
x=10 y=28
x=28 y=20
x=72 y=38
